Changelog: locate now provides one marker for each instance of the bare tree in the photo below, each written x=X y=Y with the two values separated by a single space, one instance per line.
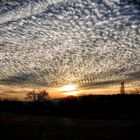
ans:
x=37 y=96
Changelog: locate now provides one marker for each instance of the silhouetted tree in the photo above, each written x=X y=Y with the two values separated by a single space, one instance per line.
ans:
x=37 y=96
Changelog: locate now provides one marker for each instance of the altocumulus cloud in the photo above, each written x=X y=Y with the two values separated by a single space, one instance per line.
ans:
x=56 y=42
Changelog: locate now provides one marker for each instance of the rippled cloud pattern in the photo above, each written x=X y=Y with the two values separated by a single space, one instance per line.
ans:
x=56 y=42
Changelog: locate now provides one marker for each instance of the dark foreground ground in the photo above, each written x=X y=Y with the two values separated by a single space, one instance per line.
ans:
x=25 y=127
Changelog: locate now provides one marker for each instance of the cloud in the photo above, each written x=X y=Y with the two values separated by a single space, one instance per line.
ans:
x=60 y=42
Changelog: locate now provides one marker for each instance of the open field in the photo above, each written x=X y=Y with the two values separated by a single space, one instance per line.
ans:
x=25 y=127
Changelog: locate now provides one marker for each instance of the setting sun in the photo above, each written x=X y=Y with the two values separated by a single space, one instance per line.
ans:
x=69 y=88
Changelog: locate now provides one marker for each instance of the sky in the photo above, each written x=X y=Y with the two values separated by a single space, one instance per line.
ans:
x=46 y=44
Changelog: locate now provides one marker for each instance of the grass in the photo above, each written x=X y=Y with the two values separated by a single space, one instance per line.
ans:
x=25 y=127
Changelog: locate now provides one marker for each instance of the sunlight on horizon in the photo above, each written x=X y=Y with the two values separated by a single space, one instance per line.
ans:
x=68 y=88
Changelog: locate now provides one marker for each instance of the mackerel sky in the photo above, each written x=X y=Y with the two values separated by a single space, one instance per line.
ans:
x=56 y=42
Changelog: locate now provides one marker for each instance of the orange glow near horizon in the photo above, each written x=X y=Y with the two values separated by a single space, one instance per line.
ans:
x=19 y=92
x=71 y=93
